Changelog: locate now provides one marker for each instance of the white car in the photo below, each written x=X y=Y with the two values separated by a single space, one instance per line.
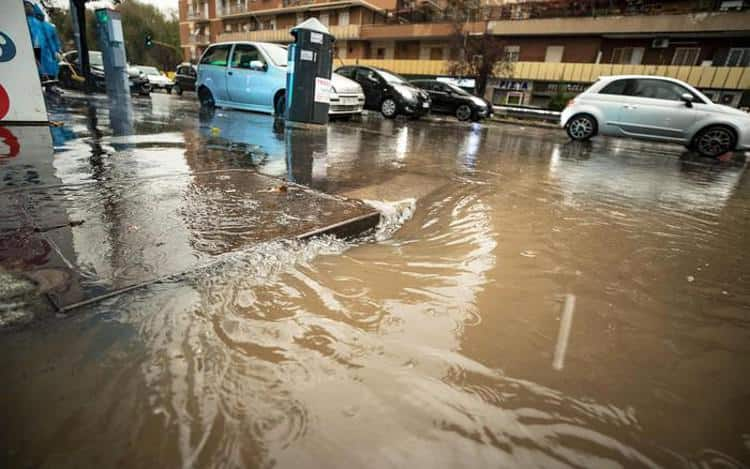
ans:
x=346 y=96
x=659 y=109
x=157 y=79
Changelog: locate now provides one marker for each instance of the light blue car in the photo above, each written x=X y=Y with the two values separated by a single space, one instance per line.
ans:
x=243 y=75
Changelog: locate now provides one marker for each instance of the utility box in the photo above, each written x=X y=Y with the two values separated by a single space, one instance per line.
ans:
x=308 y=76
x=112 y=45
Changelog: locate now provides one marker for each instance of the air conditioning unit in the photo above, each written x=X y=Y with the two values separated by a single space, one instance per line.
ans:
x=660 y=43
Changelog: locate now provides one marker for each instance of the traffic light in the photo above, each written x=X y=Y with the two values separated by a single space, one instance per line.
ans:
x=149 y=41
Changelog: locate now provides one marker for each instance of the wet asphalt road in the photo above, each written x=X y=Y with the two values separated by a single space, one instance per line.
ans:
x=527 y=301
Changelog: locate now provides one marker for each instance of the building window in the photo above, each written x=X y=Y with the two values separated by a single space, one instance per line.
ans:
x=627 y=55
x=686 y=55
x=380 y=54
x=436 y=53
x=514 y=98
x=738 y=57
x=343 y=18
x=512 y=53
x=554 y=54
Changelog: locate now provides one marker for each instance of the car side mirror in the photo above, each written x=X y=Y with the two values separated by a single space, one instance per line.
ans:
x=687 y=98
x=257 y=65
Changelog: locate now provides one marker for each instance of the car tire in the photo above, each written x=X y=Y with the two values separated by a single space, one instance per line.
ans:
x=463 y=112
x=177 y=90
x=389 y=108
x=168 y=89
x=279 y=106
x=206 y=98
x=714 y=141
x=581 y=127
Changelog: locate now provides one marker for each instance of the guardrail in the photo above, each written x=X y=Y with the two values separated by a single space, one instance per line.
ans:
x=197 y=16
x=728 y=78
x=525 y=113
x=199 y=39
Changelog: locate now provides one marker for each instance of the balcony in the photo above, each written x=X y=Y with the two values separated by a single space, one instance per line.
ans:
x=639 y=24
x=415 y=30
x=198 y=39
x=197 y=15
x=351 y=31
x=235 y=10
x=728 y=78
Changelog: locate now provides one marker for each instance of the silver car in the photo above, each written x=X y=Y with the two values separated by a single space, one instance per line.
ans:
x=659 y=109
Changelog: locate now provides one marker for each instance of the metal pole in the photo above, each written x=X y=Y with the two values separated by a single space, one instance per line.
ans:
x=78 y=13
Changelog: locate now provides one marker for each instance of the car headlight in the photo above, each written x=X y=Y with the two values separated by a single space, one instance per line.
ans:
x=479 y=101
x=407 y=93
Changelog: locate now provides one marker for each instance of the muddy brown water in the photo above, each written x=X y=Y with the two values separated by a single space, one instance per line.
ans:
x=528 y=303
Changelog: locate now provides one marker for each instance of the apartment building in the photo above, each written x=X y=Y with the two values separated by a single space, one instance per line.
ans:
x=559 y=45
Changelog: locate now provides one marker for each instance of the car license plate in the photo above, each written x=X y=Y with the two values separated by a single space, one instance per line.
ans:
x=425 y=105
x=349 y=101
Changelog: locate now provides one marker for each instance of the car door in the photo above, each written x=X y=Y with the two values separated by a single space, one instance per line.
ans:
x=657 y=110
x=247 y=83
x=443 y=99
x=213 y=70
x=371 y=85
x=610 y=100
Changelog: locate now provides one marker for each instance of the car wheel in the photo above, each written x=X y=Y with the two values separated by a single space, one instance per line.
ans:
x=177 y=90
x=463 y=112
x=169 y=89
x=206 y=98
x=279 y=107
x=581 y=127
x=715 y=141
x=388 y=108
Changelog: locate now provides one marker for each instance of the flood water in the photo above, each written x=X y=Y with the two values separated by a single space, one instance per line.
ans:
x=527 y=302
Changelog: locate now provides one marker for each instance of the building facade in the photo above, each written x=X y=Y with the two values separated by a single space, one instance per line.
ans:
x=558 y=46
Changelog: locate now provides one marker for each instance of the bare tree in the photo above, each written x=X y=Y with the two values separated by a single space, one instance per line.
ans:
x=477 y=53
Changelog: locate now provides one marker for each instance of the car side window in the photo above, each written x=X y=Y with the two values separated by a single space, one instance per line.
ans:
x=244 y=54
x=619 y=87
x=366 y=75
x=660 y=89
x=346 y=72
x=216 y=55
x=180 y=71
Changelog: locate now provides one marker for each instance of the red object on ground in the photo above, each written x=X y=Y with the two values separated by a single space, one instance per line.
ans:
x=4 y=102
x=9 y=139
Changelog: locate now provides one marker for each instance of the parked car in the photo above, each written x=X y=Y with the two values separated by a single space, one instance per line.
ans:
x=70 y=77
x=347 y=97
x=659 y=109
x=252 y=76
x=450 y=99
x=387 y=92
x=184 y=78
x=156 y=79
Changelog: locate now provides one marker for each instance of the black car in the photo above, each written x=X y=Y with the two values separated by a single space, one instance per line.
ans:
x=387 y=92
x=450 y=99
x=70 y=77
x=184 y=78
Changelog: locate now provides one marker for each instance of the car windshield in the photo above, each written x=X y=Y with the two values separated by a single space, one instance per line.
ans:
x=95 y=59
x=277 y=54
x=392 y=78
x=150 y=71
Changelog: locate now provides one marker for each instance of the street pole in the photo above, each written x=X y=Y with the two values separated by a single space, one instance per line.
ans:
x=78 y=14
